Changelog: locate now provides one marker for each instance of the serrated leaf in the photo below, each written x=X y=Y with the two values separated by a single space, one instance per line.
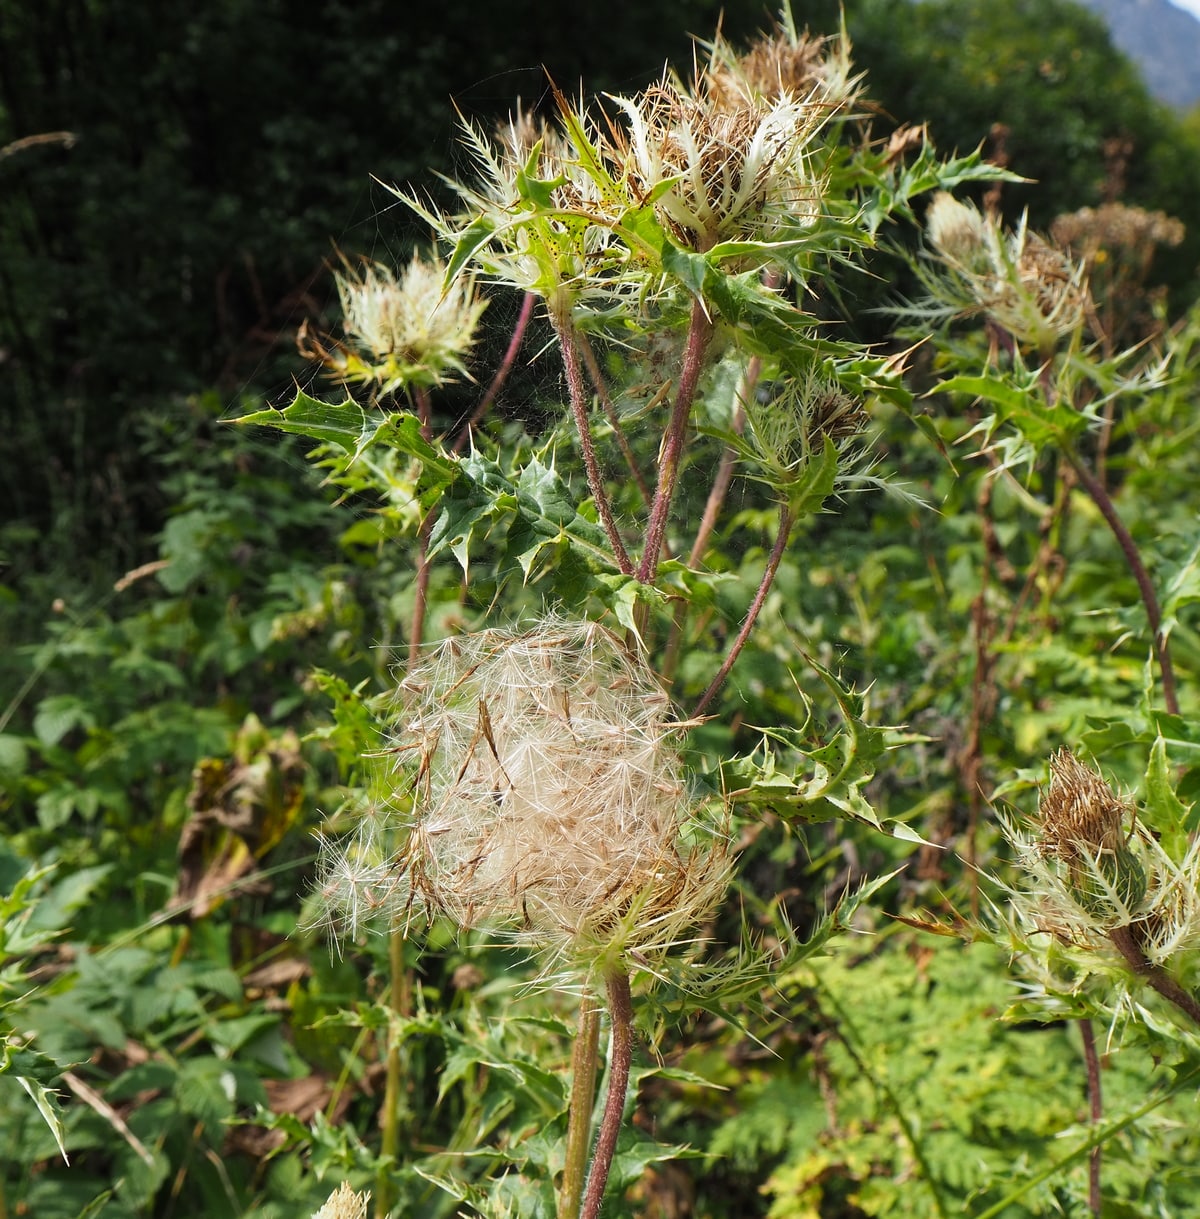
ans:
x=48 y=1106
x=1163 y=811
x=340 y=424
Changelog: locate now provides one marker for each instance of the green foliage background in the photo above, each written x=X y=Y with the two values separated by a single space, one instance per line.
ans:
x=152 y=277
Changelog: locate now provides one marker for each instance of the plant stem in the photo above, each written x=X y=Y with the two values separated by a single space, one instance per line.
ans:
x=398 y=999
x=1095 y=1111
x=560 y=316
x=620 y=1010
x=584 y=1060
x=501 y=375
x=425 y=413
x=1133 y=558
x=768 y=578
x=1127 y=944
x=699 y=333
x=610 y=413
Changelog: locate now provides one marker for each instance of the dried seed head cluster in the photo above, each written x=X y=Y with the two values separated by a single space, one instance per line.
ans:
x=1115 y=226
x=727 y=157
x=1026 y=285
x=409 y=330
x=547 y=798
x=1090 y=868
x=784 y=63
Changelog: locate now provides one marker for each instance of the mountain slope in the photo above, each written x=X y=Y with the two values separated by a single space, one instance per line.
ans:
x=1164 y=41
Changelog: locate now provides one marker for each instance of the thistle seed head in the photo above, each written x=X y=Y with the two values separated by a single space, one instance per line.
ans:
x=547 y=799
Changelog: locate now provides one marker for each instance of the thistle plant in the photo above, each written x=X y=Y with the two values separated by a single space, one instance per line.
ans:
x=529 y=784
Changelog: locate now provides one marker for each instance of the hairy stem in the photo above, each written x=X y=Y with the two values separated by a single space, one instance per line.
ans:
x=764 y=587
x=584 y=1060
x=620 y=1010
x=1133 y=558
x=1126 y=941
x=1095 y=1111
x=560 y=316
x=420 y=604
x=501 y=375
x=699 y=333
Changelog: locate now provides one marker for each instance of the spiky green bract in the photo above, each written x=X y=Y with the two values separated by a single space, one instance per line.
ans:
x=1099 y=894
x=1023 y=282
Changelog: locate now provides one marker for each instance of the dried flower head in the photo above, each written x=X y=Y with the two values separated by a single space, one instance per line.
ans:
x=783 y=63
x=1116 y=226
x=1026 y=285
x=547 y=796
x=344 y=1203
x=717 y=173
x=411 y=330
x=1091 y=869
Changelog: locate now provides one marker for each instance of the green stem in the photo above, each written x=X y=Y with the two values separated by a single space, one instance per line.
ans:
x=584 y=1061
x=620 y=1010
x=560 y=316
x=847 y=1034
x=1095 y=1140
x=699 y=333
x=764 y=587
x=1133 y=559
x=398 y=999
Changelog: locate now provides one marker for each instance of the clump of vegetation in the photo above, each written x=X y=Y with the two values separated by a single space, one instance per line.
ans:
x=661 y=711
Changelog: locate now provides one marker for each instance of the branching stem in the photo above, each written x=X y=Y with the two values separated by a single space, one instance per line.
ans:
x=1126 y=941
x=560 y=316
x=781 y=540
x=1133 y=558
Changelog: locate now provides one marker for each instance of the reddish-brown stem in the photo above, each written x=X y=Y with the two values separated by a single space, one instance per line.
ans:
x=1127 y=944
x=1133 y=558
x=764 y=587
x=425 y=414
x=501 y=374
x=610 y=413
x=560 y=316
x=699 y=333
x=620 y=1011
x=1095 y=1111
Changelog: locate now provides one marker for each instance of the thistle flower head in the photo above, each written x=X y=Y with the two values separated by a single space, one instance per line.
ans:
x=540 y=212
x=412 y=329
x=344 y=1203
x=790 y=429
x=1025 y=284
x=736 y=171
x=783 y=63
x=548 y=800
x=1091 y=868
